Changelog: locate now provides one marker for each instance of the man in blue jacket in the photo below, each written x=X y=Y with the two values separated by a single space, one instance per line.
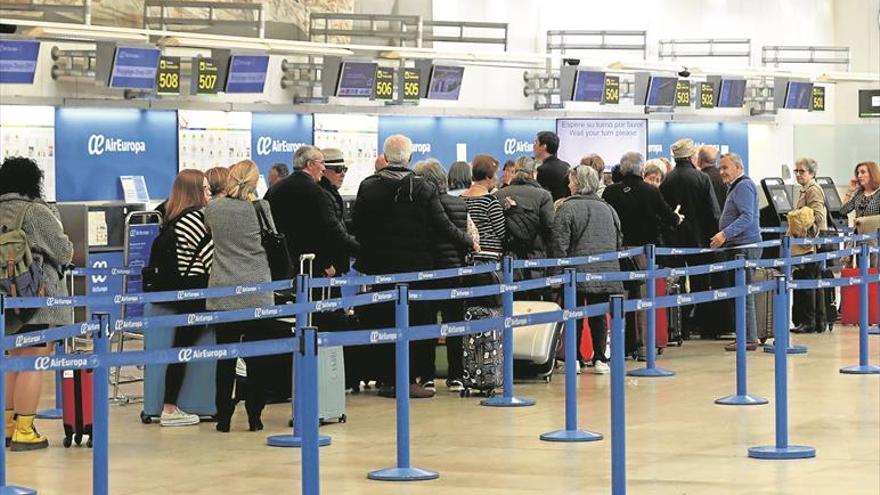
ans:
x=740 y=226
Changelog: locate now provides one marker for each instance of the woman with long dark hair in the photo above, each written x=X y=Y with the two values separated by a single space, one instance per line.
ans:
x=22 y=207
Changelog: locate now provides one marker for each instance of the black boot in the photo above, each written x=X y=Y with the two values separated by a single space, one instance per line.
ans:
x=224 y=416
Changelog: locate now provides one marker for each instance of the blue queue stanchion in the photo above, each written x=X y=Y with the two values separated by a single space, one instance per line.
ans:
x=294 y=440
x=785 y=251
x=781 y=450
x=101 y=412
x=651 y=370
x=864 y=367
x=618 y=399
x=742 y=397
x=4 y=488
x=507 y=399
x=404 y=470
x=55 y=412
x=571 y=433
x=310 y=465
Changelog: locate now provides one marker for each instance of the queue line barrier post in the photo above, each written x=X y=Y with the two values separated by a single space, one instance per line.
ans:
x=294 y=440
x=4 y=488
x=875 y=330
x=100 y=437
x=310 y=465
x=507 y=399
x=571 y=433
x=742 y=397
x=55 y=412
x=618 y=399
x=404 y=470
x=781 y=449
x=651 y=370
x=864 y=367
x=785 y=254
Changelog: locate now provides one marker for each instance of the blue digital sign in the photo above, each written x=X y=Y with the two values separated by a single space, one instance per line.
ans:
x=247 y=73
x=135 y=68
x=589 y=86
x=445 y=82
x=356 y=79
x=732 y=93
x=661 y=91
x=18 y=61
x=798 y=95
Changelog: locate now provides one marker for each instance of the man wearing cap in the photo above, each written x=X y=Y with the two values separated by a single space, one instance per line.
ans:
x=690 y=190
x=304 y=215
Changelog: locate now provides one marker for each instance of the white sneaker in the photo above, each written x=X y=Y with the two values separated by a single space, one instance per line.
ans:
x=601 y=368
x=178 y=418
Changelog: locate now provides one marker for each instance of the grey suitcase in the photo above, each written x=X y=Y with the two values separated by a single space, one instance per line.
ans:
x=764 y=304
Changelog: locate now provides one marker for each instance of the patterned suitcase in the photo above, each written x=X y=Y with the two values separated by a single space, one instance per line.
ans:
x=482 y=357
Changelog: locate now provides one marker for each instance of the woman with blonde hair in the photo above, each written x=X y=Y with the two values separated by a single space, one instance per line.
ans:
x=239 y=259
x=217 y=181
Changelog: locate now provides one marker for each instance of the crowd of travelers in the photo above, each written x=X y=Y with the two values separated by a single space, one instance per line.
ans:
x=410 y=217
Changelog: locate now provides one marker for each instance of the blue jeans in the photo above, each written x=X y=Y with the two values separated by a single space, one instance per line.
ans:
x=751 y=315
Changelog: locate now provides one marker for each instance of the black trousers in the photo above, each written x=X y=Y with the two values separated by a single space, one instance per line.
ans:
x=598 y=329
x=809 y=305
x=258 y=367
x=697 y=317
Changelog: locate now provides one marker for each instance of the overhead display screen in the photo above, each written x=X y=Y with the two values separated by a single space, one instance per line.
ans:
x=134 y=68
x=588 y=86
x=247 y=73
x=445 y=82
x=356 y=79
x=798 y=95
x=661 y=91
x=18 y=61
x=731 y=93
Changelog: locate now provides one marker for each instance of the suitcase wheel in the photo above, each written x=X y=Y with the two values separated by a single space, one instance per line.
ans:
x=66 y=442
x=659 y=351
x=343 y=419
x=548 y=378
x=465 y=393
x=290 y=423
x=490 y=393
x=89 y=444
x=145 y=418
x=78 y=438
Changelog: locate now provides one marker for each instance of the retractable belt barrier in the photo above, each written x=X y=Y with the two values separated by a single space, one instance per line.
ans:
x=305 y=341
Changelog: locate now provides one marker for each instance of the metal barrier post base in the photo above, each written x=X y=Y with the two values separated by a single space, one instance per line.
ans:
x=507 y=402
x=777 y=453
x=292 y=441
x=868 y=369
x=650 y=373
x=795 y=349
x=403 y=474
x=874 y=330
x=49 y=414
x=571 y=436
x=741 y=400
x=16 y=490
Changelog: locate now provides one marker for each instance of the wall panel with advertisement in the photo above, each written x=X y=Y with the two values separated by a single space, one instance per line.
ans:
x=208 y=139
x=29 y=131
x=609 y=138
x=95 y=146
x=276 y=136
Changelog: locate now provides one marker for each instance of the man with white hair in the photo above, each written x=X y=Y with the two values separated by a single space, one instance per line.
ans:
x=740 y=226
x=395 y=217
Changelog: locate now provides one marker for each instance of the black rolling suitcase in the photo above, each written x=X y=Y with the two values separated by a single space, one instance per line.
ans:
x=677 y=332
x=482 y=357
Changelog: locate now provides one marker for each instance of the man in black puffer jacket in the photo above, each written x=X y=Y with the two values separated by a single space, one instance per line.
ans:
x=335 y=168
x=528 y=210
x=396 y=217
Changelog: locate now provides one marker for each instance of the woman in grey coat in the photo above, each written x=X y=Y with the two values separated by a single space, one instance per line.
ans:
x=585 y=225
x=22 y=206
x=239 y=259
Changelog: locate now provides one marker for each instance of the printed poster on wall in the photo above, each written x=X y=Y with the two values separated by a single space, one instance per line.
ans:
x=208 y=139
x=29 y=131
x=357 y=136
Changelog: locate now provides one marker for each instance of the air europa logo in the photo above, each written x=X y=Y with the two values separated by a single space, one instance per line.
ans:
x=421 y=147
x=267 y=145
x=100 y=144
x=512 y=146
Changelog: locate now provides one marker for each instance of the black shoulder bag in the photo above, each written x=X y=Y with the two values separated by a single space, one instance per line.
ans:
x=275 y=245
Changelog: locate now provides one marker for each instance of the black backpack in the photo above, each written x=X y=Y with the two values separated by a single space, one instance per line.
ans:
x=522 y=225
x=161 y=273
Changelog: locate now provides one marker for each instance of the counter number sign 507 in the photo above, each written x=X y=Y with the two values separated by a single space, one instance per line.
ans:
x=205 y=76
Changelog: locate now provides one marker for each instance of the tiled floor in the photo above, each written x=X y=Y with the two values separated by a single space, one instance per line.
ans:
x=679 y=441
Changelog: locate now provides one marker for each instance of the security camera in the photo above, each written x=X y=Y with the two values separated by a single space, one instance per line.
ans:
x=571 y=61
x=684 y=72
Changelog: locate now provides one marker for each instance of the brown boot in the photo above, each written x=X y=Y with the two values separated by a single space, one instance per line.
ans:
x=25 y=436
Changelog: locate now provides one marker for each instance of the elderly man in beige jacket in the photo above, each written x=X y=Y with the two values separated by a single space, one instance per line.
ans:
x=808 y=312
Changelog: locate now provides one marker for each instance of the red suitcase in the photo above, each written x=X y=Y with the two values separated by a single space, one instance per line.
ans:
x=661 y=320
x=849 y=299
x=76 y=394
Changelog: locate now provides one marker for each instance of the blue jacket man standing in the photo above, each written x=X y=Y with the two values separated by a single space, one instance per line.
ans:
x=740 y=226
